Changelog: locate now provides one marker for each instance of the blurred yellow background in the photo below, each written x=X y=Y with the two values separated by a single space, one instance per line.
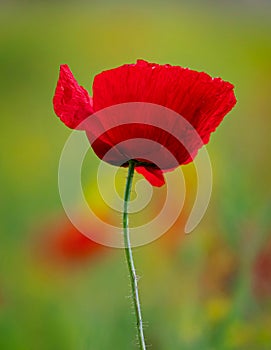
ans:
x=208 y=290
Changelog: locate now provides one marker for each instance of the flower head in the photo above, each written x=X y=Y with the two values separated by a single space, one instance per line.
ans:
x=202 y=101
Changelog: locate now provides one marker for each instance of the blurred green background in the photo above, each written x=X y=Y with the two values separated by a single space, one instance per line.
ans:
x=208 y=290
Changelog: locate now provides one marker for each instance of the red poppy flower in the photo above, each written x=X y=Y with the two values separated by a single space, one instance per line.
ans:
x=201 y=100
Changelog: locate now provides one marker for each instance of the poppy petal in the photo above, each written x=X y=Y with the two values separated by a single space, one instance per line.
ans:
x=202 y=100
x=153 y=175
x=72 y=103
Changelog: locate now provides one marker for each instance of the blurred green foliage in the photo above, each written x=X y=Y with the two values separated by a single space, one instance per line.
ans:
x=197 y=292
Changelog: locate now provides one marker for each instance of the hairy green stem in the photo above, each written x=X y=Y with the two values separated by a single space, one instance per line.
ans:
x=129 y=256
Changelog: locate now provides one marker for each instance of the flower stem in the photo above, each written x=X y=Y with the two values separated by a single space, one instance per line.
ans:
x=129 y=256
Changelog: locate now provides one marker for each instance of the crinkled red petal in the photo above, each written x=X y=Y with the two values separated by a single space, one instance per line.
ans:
x=199 y=98
x=110 y=145
x=153 y=175
x=72 y=103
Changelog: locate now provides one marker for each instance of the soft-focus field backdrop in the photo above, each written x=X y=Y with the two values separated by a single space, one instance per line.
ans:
x=209 y=290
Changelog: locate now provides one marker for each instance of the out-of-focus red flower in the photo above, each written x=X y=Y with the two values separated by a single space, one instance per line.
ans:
x=62 y=243
x=261 y=273
x=200 y=99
